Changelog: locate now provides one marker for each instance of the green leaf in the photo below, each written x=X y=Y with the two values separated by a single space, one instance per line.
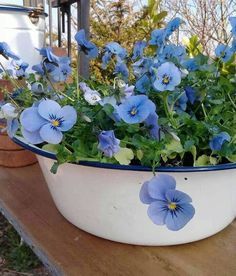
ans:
x=139 y=154
x=124 y=156
x=51 y=148
x=202 y=160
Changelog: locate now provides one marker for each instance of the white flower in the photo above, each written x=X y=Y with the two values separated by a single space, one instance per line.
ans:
x=92 y=97
x=8 y=111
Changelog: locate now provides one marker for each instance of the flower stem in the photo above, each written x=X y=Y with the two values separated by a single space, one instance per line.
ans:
x=168 y=112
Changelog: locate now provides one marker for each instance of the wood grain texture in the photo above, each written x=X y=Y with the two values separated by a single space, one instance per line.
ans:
x=25 y=200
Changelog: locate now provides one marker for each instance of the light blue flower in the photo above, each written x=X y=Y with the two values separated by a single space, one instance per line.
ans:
x=232 y=21
x=171 y=51
x=6 y=52
x=191 y=94
x=152 y=123
x=143 y=84
x=224 y=52
x=168 y=76
x=190 y=64
x=158 y=37
x=218 y=140
x=180 y=104
x=168 y=206
x=173 y=25
x=37 y=88
x=46 y=122
x=233 y=46
x=18 y=68
x=136 y=109
x=142 y=66
x=117 y=50
x=108 y=143
x=138 y=49
x=122 y=70
x=87 y=47
x=47 y=53
x=12 y=127
x=61 y=72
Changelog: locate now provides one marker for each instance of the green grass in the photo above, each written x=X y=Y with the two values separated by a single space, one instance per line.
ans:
x=15 y=254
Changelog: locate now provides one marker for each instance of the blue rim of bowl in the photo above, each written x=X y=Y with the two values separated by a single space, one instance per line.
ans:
x=18 y=9
x=20 y=141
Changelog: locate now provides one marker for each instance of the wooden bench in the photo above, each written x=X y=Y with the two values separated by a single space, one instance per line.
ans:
x=66 y=250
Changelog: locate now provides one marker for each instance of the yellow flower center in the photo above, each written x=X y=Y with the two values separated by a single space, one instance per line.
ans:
x=166 y=80
x=55 y=123
x=133 y=111
x=17 y=67
x=172 y=206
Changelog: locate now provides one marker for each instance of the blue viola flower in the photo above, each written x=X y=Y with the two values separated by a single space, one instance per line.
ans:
x=142 y=66
x=47 y=53
x=233 y=46
x=37 y=88
x=61 y=72
x=191 y=94
x=9 y=112
x=171 y=51
x=138 y=49
x=224 y=52
x=117 y=50
x=168 y=206
x=173 y=25
x=106 y=59
x=181 y=103
x=152 y=123
x=46 y=122
x=158 y=37
x=218 y=140
x=232 y=21
x=86 y=46
x=6 y=52
x=18 y=68
x=143 y=84
x=108 y=143
x=12 y=127
x=190 y=64
x=136 y=109
x=121 y=69
x=168 y=76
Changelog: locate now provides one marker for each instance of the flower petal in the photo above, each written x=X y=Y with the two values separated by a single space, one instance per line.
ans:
x=47 y=108
x=144 y=194
x=178 y=197
x=31 y=120
x=157 y=212
x=32 y=137
x=69 y=117
x=159 y=185
x=12 y=127
x=50 y=134
x=178 y=219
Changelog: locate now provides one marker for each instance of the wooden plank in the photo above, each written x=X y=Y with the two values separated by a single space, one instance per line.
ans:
x=66 y=250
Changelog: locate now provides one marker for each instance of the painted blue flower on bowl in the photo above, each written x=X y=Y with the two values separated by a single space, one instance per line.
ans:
x=136 y=109
x=168 y=76
x=167 y=206
x=47 y=122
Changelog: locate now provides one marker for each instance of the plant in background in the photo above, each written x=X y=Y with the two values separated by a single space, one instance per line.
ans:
x=164 y=106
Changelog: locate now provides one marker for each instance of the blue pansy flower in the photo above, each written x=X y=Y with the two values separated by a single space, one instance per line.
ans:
x=233 y=46
x=143 y=84
x=232 y=21
x=181 y=103
x=218 y=140
x=121 y=69
x=47 y=53
x=117 y=50
x=136 y=109
x=152 y=123
x=6 y=52
x=168 y=206
x=171 y=51
x=173 y=25
x=46 y=122
x=86 y=46
x=142 y=66
x=224 y=52
x=190 y=64
x=37 y=88
x=168 y=76
x=191 y=94
x=61 y=72
x=18 y=68
x=158 y=37
x=108 y=143
x=138 y=49
x=9 y=112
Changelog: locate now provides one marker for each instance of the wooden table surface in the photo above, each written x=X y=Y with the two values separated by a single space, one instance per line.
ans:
x=66 y=250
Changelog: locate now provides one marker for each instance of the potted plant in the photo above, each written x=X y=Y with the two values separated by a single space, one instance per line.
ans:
x=146 y=156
